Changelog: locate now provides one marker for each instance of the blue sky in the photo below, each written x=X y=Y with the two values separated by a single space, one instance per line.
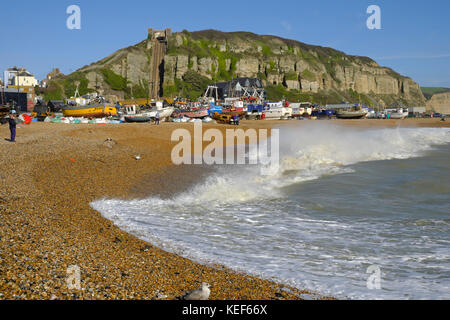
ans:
x=414 y=39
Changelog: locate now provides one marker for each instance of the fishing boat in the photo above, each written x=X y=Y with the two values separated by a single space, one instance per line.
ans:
x=192 y=113
x=137 y=118
x=321 y=113
x=131 y=113
x=40 y=111
x=145 y=114
x=301 y=109
x=233 y=105
x=164 y=111
x=254 y=111
x=277 y=110
x=353 y=112
x=90 y=111
x=213 y=108
x=399 y=113
x=96 y=108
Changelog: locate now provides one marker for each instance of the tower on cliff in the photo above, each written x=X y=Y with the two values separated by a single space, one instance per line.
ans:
x=157 y=41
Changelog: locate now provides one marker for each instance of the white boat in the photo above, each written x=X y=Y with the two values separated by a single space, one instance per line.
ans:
x=399 y=113
x=164 y=112
x=301 y=109
x=371 y=114
x=276 y=110
x=133 y=114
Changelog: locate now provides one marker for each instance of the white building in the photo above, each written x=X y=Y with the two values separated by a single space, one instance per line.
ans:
x=19 y=77
x=418 y=110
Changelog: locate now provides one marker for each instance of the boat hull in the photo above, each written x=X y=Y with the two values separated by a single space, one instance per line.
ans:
x=350 y=115
x=163 y=113
x=137 y=119
x=192 y=114
x=89 y=111
x=277 y=113
x=398 y=116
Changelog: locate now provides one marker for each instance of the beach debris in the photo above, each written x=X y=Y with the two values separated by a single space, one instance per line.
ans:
x=109 y=142
x=159 y=295
x=72 y=159
x=199 y=294
x=138 y=157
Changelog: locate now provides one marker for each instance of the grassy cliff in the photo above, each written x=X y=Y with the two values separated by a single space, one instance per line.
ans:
x=289 y=69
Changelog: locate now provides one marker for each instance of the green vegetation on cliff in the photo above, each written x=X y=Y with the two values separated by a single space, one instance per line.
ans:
x=308 y=75
x=53 y=92
x=115 y=81
x=70 y=84
x=192 y=86
x=428 y=92
x=226 y=59
x=275 y=93
x=63 y=87
x=196 y=59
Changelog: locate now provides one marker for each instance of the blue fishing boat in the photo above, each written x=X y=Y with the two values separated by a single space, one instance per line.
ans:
x=254 y=111
x=322 y=113
x=213 y=108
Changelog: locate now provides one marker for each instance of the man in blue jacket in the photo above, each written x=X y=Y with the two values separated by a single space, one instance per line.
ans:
x=12 y=125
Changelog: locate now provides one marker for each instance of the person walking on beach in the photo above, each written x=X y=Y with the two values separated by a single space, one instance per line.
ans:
x=236 y=120
x=157 y=118
x=12 y=125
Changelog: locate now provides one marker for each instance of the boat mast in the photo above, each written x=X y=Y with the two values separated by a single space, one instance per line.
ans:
x=3 y=92
x=77 y=94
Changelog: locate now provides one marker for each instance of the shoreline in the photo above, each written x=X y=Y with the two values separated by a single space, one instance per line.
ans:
x=53 y=173
x=47 y=223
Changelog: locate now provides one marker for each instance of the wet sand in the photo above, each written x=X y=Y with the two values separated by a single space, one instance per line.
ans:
x=52 y=173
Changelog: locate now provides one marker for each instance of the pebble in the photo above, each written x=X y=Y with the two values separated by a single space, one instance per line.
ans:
x=47 y=225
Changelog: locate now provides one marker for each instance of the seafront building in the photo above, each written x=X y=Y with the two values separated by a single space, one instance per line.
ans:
x=14 y=77
x=18 y=89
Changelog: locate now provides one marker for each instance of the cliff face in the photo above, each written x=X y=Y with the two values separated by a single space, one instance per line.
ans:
x=294 y=66
x=439 y=102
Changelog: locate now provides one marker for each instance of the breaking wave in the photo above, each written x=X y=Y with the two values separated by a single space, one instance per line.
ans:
x=245 y=220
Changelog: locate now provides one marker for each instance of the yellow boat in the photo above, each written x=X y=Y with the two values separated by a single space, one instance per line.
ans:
x=92 y=111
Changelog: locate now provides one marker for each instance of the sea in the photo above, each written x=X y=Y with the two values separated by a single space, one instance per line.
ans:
x=351 y=213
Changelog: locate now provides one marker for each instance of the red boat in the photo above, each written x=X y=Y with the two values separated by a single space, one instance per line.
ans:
x=193 y=113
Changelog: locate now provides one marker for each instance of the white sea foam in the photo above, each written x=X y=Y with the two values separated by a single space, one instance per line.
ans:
x=246 y=221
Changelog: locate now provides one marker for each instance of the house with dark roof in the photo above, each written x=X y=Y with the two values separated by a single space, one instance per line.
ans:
x=238 y=88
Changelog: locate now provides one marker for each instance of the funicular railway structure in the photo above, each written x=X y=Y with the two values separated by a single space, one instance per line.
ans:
x=158 y=42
